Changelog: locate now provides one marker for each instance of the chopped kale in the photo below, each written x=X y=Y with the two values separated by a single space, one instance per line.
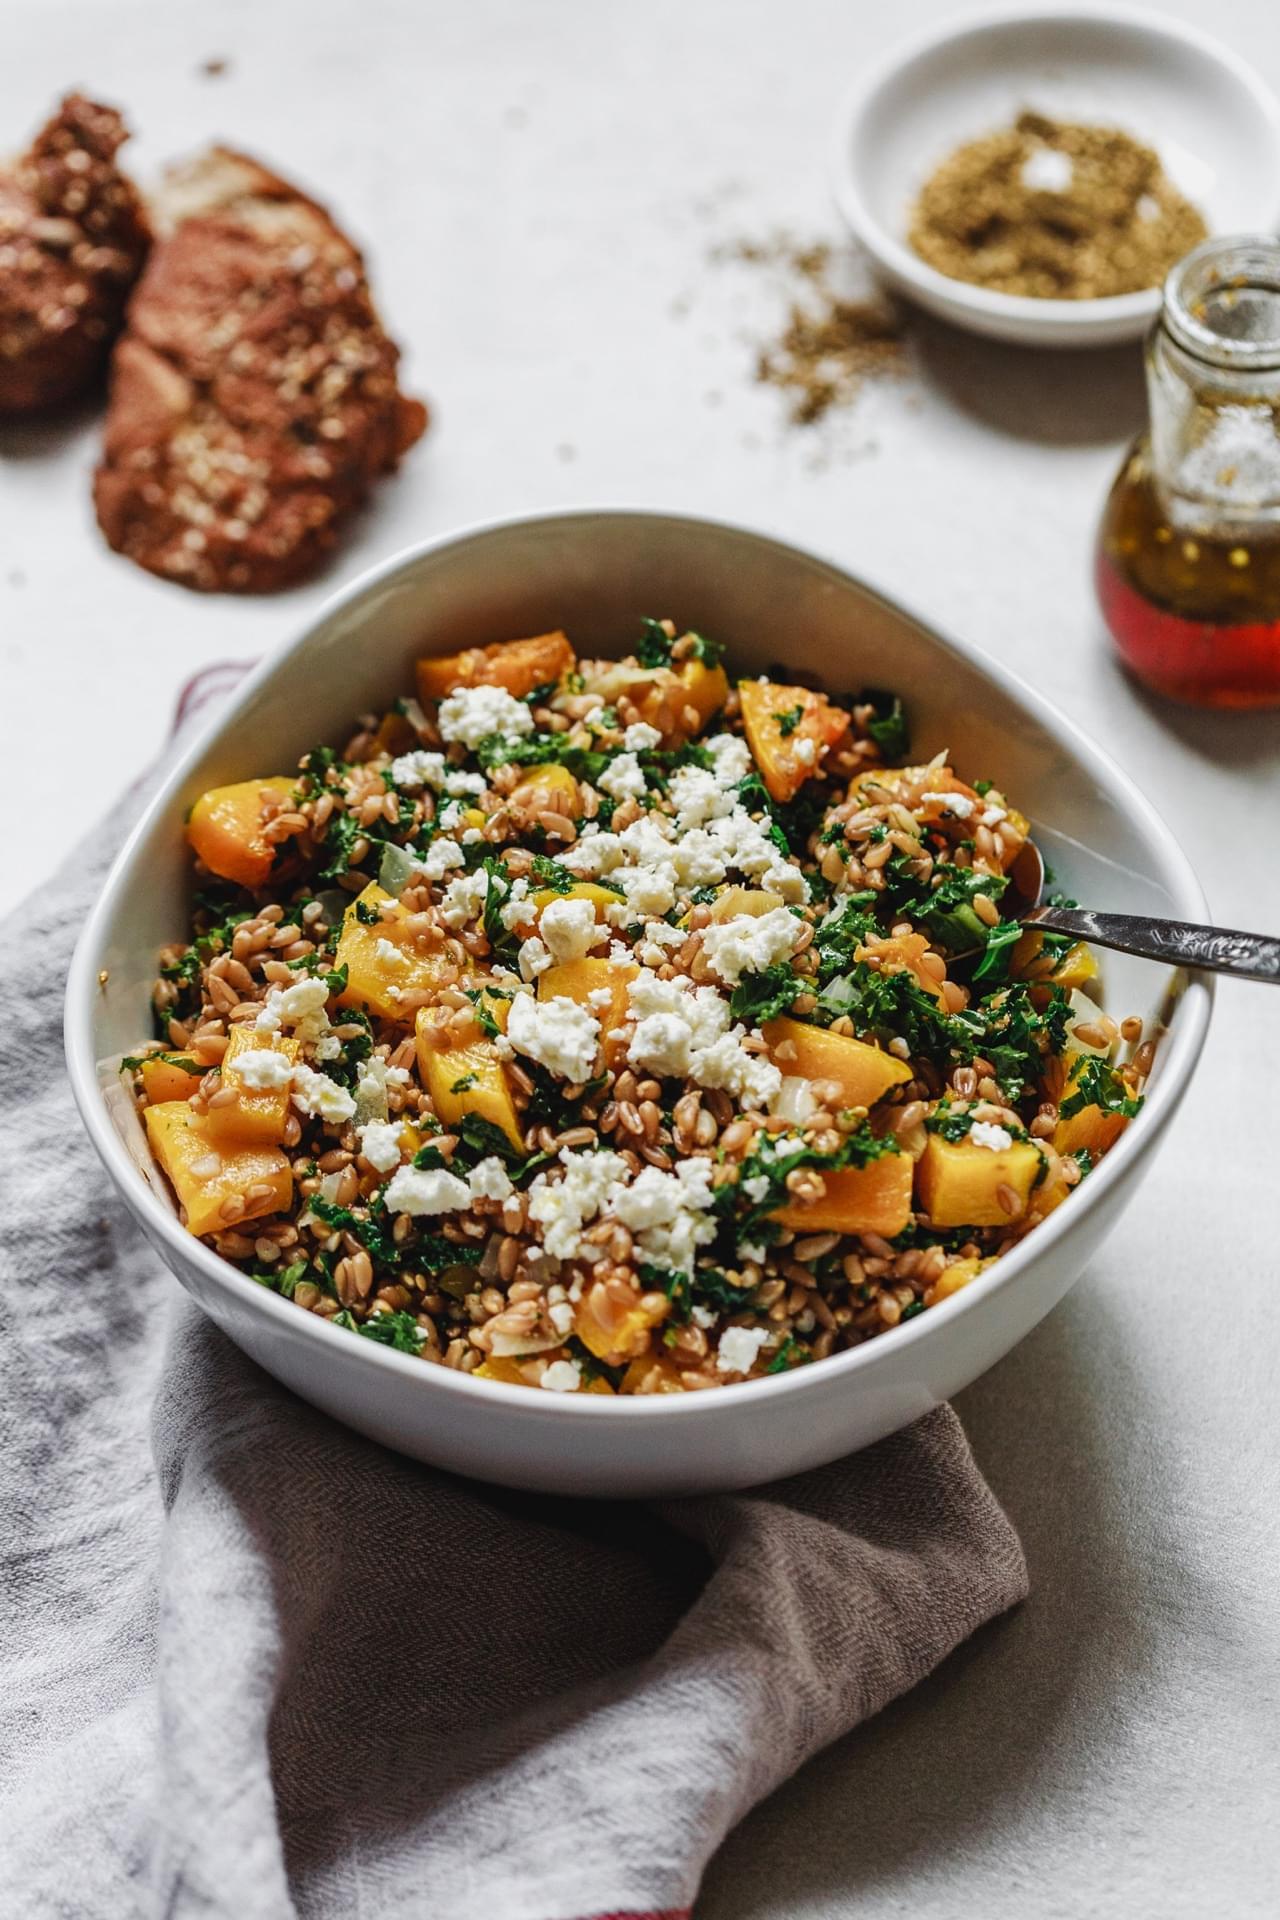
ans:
x=371 y=1227
x=1097 y=1084
x=283 y=1280
x=759 y=996
x=788 y=722
x=888 y=725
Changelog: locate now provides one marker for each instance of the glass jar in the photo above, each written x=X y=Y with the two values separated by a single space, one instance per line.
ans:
x=1187 y=567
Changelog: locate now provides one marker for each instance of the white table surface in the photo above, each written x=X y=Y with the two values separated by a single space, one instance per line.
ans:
x=538 y=186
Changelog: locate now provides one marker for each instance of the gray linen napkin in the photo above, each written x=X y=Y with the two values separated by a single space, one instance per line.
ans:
x=252 y=1665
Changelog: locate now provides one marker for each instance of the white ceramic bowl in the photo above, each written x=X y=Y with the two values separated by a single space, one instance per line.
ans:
x=594 y=573
x=1215 y=125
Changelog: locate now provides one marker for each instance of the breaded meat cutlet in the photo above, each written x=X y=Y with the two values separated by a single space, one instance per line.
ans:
x=73 y=237
x=253 y=393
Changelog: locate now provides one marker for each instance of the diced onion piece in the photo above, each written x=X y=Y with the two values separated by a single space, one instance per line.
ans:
x=794 y=1100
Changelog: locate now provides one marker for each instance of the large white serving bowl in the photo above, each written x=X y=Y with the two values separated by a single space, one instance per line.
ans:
x=1213 y=121
x=594 y=573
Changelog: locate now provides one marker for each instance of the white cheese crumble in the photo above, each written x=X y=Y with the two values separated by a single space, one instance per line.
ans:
x=562 y=1376
x=623 y=778
x=440 y=856
x=739 y=1349
x=731 y=757
x=459 y=782
x=684 y=1031
x=301 y=1006
x=263 y=1069
x=316 y=1094
x=647 y=890
x=668 y=1213
x=983 y=1133
x=640 y=737
x=569 y=929
x=418 y=769
x=464 y=898
x=473 y=713
x=533 y=958
x=805 y=750
x=562 y=1208
x=558 y=1033
x=380 y=1144
x=958 y=803
x=489 y=1180
x=389 y=953
x=518 y=910
x=426 y=1190
x=749 y=943
x=697 y=797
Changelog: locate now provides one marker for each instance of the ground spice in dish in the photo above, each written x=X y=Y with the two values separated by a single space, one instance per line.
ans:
x=1055 y=211
x=829 y=343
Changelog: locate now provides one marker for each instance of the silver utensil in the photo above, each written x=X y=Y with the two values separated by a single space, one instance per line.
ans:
x=1249 y=956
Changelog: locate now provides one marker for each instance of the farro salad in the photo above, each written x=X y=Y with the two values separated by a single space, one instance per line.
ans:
x=611 y=1026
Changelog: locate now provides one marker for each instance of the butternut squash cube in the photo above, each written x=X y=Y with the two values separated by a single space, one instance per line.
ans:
x=1073 y=968
x=789 y=731
x=578 y=980
x=953 y=1279
x=703 y=688
x=517 y=665
x=170 y=1077
x=380 y=967
x=468 y=1079
x=549 y=789
x=864 y=1073
x=601 y=898
x=958 y=1184
x=205 y=1173
x=616 y=1334
x=256 y=1113
x=902 y=951
x=652 y=1373
x=871 y=1199
x=1090 y=1128
x=225 y=828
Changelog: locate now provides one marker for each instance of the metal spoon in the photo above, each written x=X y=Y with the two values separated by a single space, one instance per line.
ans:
x=1249 y=956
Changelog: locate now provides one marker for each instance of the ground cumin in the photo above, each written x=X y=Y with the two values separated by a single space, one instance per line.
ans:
x=1055 y=211
x=829 y=344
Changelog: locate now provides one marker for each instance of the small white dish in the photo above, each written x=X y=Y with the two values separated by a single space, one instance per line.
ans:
x=1215 y=125
x=593 y=572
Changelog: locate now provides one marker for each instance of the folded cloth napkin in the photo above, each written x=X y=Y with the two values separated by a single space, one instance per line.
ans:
x=255 y=1666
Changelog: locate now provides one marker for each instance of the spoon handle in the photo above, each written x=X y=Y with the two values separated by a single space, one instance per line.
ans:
x=1250 y=956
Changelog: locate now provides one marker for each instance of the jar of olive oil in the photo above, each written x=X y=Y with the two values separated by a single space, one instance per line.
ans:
x=1188 y=559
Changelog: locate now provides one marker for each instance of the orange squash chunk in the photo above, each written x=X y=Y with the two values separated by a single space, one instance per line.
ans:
x=616 y=1335
x=380 y=967
x=899 y=951
x=256 y=1114
x=225 y=828
x=517 y=665
x=652 y=1373
x=469 y=1078
x=789 y=731
x=205 y=1173
x=549 y=789
x=864 y=1073
x=1090 y=1128
x=1029 y=961
x=871 y=1199
x=164 y=1077
x=958 y=1184
x=578 y=980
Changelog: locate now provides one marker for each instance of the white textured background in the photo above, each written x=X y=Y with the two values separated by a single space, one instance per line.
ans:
x=538 y=185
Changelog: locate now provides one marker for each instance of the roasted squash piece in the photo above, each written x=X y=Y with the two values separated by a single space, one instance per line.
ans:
x=581 y=980
x=871 y=1199
x=205 y=1173
x=958 y=1183
x=380 y=967
x=617 y=1334
x=601 y=898
x=255 y=1114
x=899 y=951
x=468 y=1078
x=864 y=1073
x=1029 y=961
x=517 y=665
x=170 y=1076
x=395 y=735
x=704 y=690
x=1092 y=1128
x=549 y=789
x=225 y=828
x=652 y=1373
x=789 y=730
x=953 y=1279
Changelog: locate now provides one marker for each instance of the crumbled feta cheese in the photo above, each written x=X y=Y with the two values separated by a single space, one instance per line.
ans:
x=558 y=1033
x=449 y=818
x=533 y=958
x=570 y=929
x=263 y=1069
x=647 y=890
x=562 y=1376
x=518 y=910
x=302 y=1006
x=380 y=1144
x=756 y=1188
x=440 y=856
x=463 y=899
x=316 y=1094
x=697 y=797
x=563 y=1207
x=560 y=1314
x=748 y=1250
x=426 y=1190
x=418 y=769
x=593 y=854
x=328 y=1047
x=673 y=1018
x=751 y=1078
x=473 y=713
x=958 y=803
x=489 y=1180
x=640 y=737
x=389 y=953
x=739 y=1349
x=599 y=998
x=983 y=1133
x=459 y=782
x=805 y=750
x=731 y=757
x=669 y=1213
x=749 y=943
x=992 y=817
x=702 y=1317
x=623 y=778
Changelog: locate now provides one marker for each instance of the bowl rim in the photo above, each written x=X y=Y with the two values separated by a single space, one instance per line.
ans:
x=1180 y=1051
x=1106 y=314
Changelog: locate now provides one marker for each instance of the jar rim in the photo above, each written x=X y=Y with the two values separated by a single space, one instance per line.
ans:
x=1220 y=266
